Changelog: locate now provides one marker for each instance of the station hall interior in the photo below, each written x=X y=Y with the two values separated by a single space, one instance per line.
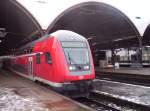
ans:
x=114 y=74
x=109 y=32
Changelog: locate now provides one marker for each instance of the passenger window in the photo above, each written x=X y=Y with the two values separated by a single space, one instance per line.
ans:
x=48 y=58
x=38 y=58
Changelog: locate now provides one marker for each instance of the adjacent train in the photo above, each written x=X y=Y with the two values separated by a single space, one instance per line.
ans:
x=62 y=60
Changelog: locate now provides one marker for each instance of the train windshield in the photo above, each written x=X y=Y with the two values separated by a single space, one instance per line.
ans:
x=76 y=53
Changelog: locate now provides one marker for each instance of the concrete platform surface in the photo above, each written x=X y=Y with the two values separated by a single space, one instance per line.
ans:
x=127 y=70
x=20 y=94
x=128 y=92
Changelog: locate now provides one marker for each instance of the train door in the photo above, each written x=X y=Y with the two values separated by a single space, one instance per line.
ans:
x=46 y=66
x=30 y=67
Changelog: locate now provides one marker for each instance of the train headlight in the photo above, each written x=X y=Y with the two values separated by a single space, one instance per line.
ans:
x=72 y=68
x=86 y=67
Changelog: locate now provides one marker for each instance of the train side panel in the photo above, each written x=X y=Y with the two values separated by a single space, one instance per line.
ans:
x=40 y=68
x=20 y=64
x=53 y=72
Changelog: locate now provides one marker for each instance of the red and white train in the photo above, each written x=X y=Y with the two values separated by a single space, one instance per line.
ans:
x=62 y=60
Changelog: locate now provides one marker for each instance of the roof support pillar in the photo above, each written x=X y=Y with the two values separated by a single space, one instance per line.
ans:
x=138 y=62
x=112 y=53
x=140 y=50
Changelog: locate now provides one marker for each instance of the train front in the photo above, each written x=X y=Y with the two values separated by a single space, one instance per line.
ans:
x=80 y=69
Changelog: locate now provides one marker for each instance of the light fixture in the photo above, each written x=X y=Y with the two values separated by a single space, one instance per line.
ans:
x=147 y=46
x=89 y=38
x=118 y=39
x=72 y=68
x=86 y=67
x=94 y=44
x=41 y=1
x=138 y=17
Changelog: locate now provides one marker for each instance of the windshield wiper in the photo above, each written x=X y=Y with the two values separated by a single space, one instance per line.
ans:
x=71 y=60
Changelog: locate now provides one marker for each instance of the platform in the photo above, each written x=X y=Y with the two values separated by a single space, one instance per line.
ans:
x=20 y=94
x=127 y=92
x=125 y=74
x=126 y=70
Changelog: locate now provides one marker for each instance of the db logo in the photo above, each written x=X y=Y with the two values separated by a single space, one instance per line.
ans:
x=81 y=77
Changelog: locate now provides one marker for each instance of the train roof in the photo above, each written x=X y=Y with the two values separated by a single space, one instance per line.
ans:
x=66 y=35
x=61 y=35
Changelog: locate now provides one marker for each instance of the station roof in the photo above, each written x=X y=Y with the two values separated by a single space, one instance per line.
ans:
x=16 y=24
x=104 y=25
x=46 y=11
x=100 y=23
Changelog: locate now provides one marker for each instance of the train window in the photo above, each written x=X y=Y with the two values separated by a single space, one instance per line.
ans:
x=38 y=58
x=48 y=58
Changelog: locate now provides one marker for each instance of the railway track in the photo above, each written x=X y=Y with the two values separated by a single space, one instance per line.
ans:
x=120 y=104
x=141 y=83
x=101 y=102
x=125 y=78
x=97 y=105
x=121 y=100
